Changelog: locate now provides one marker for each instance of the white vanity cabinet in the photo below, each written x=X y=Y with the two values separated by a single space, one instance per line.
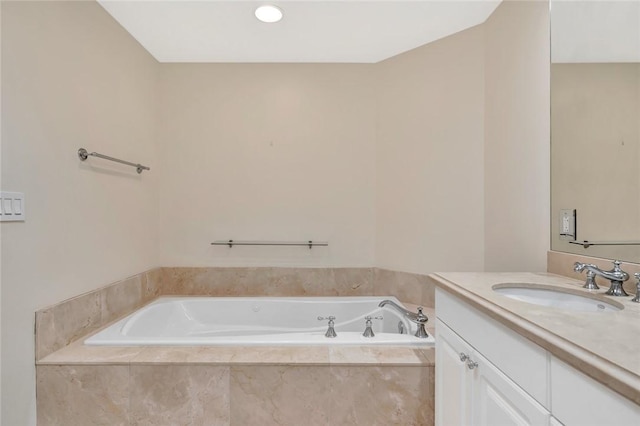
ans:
x=580 y=400
x=453 y=379
x=498 y=400
x=489 y=375
x=470 y=390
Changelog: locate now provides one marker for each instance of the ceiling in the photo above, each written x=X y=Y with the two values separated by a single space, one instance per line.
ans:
x=355 y=31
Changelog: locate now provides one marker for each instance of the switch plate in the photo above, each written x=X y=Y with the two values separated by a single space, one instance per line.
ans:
x=568 y=225
x=12 y=207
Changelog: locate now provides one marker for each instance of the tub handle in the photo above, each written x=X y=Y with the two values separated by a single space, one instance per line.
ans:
x=368 y=331
x=331 y=331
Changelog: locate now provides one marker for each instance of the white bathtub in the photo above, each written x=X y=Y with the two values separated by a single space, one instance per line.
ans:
x=252 y=321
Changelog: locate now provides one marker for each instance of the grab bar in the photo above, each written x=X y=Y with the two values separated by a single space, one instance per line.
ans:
x=84 y=154
x=232 y=243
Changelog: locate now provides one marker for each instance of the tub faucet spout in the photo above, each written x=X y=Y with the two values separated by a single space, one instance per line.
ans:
x=616 y=275
x=419 y=318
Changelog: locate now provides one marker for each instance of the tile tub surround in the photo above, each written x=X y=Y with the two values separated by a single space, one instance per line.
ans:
x=407 y=287
x=67 y=321
x=562 y=264
x=239 y=281
x=603 y=346
x=59 y=325
x=232 y=385
x=236 y=394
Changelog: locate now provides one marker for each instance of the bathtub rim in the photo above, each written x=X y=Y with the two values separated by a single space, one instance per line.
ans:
x=316 y=342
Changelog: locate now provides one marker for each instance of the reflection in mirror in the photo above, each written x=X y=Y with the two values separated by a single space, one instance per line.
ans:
x=595 y=126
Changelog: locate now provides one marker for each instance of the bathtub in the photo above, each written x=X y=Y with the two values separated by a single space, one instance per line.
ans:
x=249 y=321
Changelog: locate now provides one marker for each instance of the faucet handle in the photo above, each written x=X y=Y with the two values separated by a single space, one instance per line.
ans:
x=369 y=317
x=420 y=317
x=330 y=318
x=590 y=282
x=616 y=268
x=368 y=331
x=331 y=332
x=637 y=296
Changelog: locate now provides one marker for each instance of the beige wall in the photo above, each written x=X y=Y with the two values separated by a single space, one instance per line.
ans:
x=71 y=77
x=406 y=165
x=472 y=196
x=267 y=152
x=516 y=153
x=595 y=155
x=429 y=158
x=0 y=226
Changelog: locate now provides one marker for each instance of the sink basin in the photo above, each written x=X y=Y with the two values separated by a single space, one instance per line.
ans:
x=555 y=297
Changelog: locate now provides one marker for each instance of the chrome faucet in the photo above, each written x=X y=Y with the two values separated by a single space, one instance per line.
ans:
x=368 y=330
x=616 y=275
x=637 y=296
x=418 y=318
x=331 y=331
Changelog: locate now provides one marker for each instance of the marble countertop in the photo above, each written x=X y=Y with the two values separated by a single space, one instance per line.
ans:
x=603 y=345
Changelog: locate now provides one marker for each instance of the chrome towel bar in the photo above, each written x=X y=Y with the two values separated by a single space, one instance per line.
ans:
x=586 y=244
x=83 y=154
x=232 y=243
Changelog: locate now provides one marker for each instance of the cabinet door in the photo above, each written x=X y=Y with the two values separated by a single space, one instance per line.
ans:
x=498 y=401
x=578 y=400
x=453 y=381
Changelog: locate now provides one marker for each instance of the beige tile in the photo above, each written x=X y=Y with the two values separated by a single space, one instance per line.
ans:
x=301 y=282
x=75 y=395
x=382 y=396
x=353 y=281
x=179 y=395
x=216 y=281
x=406 y=287
x=152 y=284
x=282 y=395
x=234 y=281
x=280 y=282
x=121 y=298
x=562 y=264
x=298 y=355
x=78 y=353
x=177 y=355
x=430 y=354
x=376 y=355
x=61 y=324
x=244 y=355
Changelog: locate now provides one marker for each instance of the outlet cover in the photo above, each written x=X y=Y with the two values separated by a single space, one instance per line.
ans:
x=568 y=225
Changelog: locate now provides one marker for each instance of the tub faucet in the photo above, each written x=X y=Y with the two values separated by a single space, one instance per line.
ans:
x=616 y=275
x=420 y=319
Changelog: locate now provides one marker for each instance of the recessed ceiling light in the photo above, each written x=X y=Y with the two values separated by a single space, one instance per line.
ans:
x=269 y=13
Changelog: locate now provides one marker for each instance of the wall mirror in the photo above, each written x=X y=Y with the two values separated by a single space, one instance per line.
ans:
x=595 y=128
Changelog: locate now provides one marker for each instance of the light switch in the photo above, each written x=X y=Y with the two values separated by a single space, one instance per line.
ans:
x=6 y=206
x=17 y=206
x=12 y=207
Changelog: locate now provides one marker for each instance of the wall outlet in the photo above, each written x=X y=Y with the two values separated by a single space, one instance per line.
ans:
x=12 y=207
x=568 y=225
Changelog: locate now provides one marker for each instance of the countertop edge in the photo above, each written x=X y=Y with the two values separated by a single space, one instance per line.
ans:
x=605 y=372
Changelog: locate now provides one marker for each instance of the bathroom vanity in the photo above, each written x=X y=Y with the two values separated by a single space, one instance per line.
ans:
x=502 y=361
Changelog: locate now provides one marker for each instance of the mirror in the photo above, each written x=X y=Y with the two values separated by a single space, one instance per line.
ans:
x=595 y=128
